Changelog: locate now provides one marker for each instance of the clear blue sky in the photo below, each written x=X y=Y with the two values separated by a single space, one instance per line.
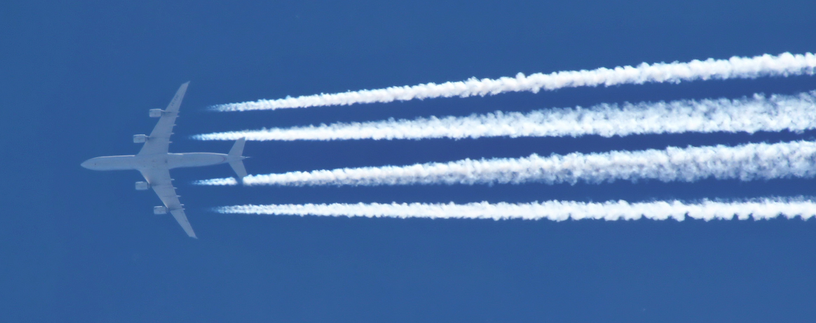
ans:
x=77 y=79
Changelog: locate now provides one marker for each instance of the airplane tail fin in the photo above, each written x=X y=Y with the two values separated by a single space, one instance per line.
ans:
x=236 y=161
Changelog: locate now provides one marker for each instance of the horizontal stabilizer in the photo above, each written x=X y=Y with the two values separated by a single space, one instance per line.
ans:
x=236 y=161
x=237 y=149
x=238 y=167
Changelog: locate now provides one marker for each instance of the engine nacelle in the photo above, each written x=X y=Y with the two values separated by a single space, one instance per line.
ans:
x=159 y=210
x=156 y=113
x=139 y=139
x=141 y=186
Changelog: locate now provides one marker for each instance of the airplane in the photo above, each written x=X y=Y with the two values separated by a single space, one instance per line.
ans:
x=155 y=162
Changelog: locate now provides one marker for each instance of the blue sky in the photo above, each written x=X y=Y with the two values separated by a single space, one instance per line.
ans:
x=77 y=80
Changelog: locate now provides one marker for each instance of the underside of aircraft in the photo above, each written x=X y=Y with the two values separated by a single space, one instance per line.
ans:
x=154 y=161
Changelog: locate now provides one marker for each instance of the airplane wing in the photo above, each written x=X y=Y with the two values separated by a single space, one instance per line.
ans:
x=159 y=139
x=160 y=181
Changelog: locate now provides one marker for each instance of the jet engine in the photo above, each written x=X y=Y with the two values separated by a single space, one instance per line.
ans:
x=159 y=210
x=141 y=186
x=139 y=139
x=156 y=113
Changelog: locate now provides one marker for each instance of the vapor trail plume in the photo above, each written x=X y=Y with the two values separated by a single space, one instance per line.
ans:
x=760 y=113
x=736 y=67
x=551 y=210
x=744 y=162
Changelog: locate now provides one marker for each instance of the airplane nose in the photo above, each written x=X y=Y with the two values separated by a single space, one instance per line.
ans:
x=86 y=164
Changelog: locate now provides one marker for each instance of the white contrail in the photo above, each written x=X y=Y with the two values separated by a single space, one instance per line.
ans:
x=744 y=162
x=759 y=113
x=552 y=210
x=736 y=67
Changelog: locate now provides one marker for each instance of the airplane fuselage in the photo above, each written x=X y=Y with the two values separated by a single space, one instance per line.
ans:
x=169 y=161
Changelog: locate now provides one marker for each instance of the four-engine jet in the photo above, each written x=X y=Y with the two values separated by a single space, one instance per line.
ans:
x=155 y=162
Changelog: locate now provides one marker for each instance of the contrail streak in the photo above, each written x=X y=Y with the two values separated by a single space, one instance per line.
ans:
x=551 y=210
x=736 y=67
x=744 y=162
x=759 y=113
